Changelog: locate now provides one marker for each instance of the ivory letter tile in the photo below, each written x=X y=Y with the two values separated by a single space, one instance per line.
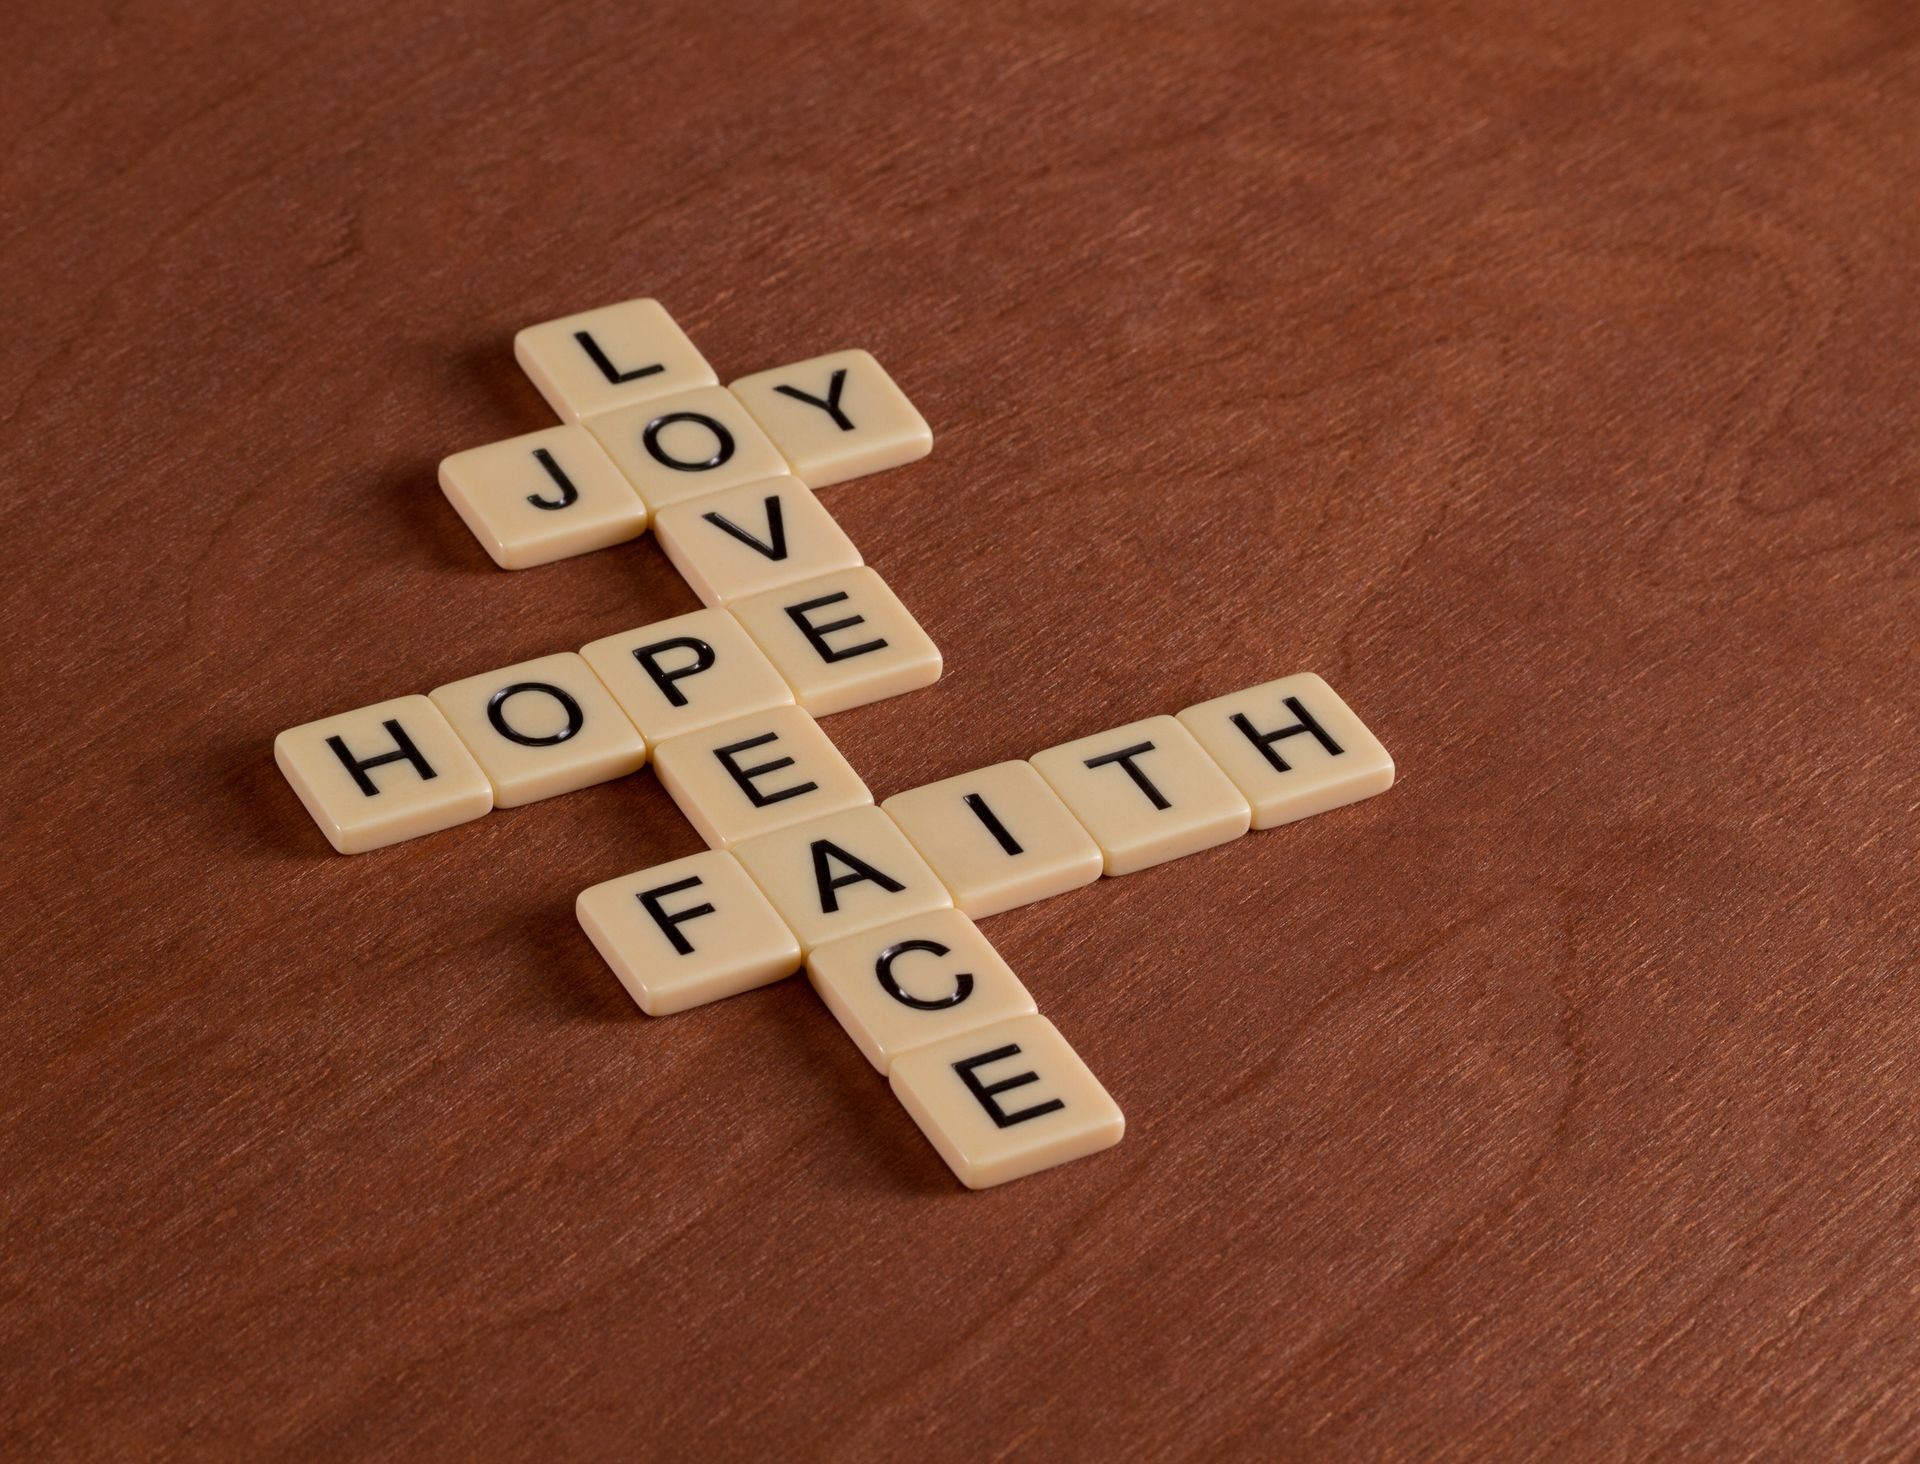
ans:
x=750 y=539
x=998 y=838
x=836 y=417
x=841 y=640
x=739 y=779
x=1292 y=747
x=682 y=934
x=534 y=499
x=375 y=776
x=677 y=676
x=542 y=727
x=687 y=445
x=612 y=357
x=914 y=981
x=1005 y=1101
x=1146 y=792
x=841 y=874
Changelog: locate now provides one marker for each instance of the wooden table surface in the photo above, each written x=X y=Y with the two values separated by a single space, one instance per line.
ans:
x=1542 y=374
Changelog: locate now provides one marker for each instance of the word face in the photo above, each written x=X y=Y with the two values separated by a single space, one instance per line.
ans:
x=686 y=933
x=836 y=417
x=601 y=360
x=375 y=776
x=1006 y=1100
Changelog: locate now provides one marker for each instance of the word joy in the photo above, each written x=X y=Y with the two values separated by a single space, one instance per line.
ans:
x=877 y=902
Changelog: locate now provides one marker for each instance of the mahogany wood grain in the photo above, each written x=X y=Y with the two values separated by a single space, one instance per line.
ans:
x=1541 y=372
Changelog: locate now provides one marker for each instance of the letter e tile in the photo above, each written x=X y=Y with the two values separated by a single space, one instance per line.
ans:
x=1005 y=1101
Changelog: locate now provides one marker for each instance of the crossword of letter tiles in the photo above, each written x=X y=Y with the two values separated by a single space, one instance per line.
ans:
x=802 y=868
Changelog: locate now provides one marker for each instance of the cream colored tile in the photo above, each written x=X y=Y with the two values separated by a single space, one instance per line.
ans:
x=612 y=357
x=682 y=934
x=375 y=776
x=841 y=874
x=1006 y=1101
x=750 y=539
x=740 y=779
x=687 y=445
x=836 y=417
x=677 y=676
x=534 y=499
x=914 y=981
x=540 y=728
x=1292 y=747
x=841 y=640
x=998 y=838
x=1146 y=792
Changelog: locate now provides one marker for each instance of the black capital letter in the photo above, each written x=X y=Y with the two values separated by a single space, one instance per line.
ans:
x=825 y=851
x=671 y=921
x=722 y=442
x=745 y=776
x=649 y=659
x=607 y=368
x=830 y=404
x=999 y=830
x=817 y=634
x=775 y=544
x=985 y=1091
x=403 y=751
x=496 y=713
x=1265 y=740
x=568 y=493
x=883 y=970
x=1125 y=757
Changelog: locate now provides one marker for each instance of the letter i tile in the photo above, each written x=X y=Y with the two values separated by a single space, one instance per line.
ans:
x=1006 y=1100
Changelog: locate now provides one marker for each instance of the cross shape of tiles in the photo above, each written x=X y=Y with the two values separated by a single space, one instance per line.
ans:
x=877 y=903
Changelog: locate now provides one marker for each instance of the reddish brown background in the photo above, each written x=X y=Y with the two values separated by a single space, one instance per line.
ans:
x=1542 y=374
